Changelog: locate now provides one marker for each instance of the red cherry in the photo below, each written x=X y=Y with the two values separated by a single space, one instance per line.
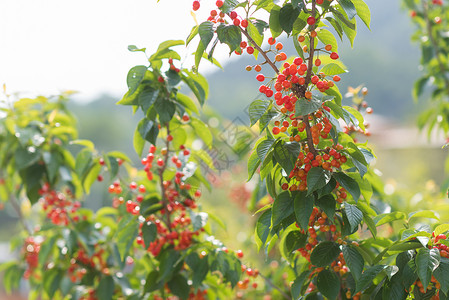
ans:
x=260 y=77
x=196 y=5
x=244 y=23
x=334 y=55
x=219 y=3
x=239 y=253
x=311 y=20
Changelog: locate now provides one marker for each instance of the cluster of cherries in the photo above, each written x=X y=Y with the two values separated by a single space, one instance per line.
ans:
x=31 y=250
x=58 y=205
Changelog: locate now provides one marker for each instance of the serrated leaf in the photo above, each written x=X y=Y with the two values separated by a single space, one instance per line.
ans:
x=256 y=109
x=287 y=16
x=317 y=178
x=327 y=38
x=305 y=106
x=427 y=260
x=275 y=25
x=349 y=184
x=263 y=228
x=325 y=253
x=327 y=204
x=229 y=35
x=328 y=284
x=354 y=260
x=202 y=130
x=282 y=208
x=367 y=277
x=206 y=32
x=135 y=77
x=332 y=69
x=149 y=233
x=303 y=207
x=354 y=215
x=423 y=214
x=440 y=274
x=389 y=217
x=363 y=11
x=349 y=8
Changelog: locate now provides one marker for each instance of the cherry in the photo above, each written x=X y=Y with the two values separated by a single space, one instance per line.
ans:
x=334 y=55
x=311 y=20
x=244 y=23
x=219 y=3
x=271 y=41
x=250 y=50
x=260 y=77
x=239 y=253
x=236 y=22
x=196 y=5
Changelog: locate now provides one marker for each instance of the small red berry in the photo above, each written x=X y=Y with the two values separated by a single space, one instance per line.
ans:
x=239 y=253
x=334 y=55
x=219 y=3
x=260 y=77
x=196 y=5
x=311 y=20
x=244 y=23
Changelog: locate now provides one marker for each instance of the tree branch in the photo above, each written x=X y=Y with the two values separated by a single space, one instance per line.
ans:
x=267 y=59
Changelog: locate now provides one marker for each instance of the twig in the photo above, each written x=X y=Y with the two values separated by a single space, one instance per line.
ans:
x=267 y=59
x=270 y=283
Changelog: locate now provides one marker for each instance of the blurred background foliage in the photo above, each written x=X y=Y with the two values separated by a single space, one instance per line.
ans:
x=411 y=164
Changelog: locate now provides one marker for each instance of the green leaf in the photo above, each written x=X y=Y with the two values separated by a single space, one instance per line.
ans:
x=325 y=253
x=169 y=264
x=287 y=16
x=349 y=8
x=187 y=102
x=443 y=228
x=354 y=260
x=327 y=38
x=275 y=25
x=152 y=283
x=328 y=284
x=165 y=109
x=317 y=178
x=363 y=11
x=199 y=266
x=202 y=131
x=135 y=77
x=179 y=287
x=149 y=231
x=423 y=214
x=294 y=240
x=327 y=204
x=253 y=164
x=138 y=142
x=389 y=217
x=126 y=233
x=427 y=260
x=298 y=284
x=284 y=157
x=305 y=106
x=332 y=69
x=264 y=147
x=86 y=143
x=228 y=6
x=282 y=208
x=197 y=84
x=440 y=274
x=147 y=97
x=25 y=157
x=418 y=87
x=91 y=177
x=148 y=130
x=46 y=247
x=254 y=34
x=206 y=31
x=349 y=184
x=303 y=207
x=229 y=35
x=256 y=109
x=51 y=281
x=367 y=277
x=133 y=48
x=105 y=289
x=263 y=228
x=354 y=215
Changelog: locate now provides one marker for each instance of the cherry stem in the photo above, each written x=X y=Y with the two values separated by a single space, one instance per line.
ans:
x=267 y=59
x=161 y=180
x=270 y=283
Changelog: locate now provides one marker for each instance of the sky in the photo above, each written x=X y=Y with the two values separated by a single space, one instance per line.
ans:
x=47 y=46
